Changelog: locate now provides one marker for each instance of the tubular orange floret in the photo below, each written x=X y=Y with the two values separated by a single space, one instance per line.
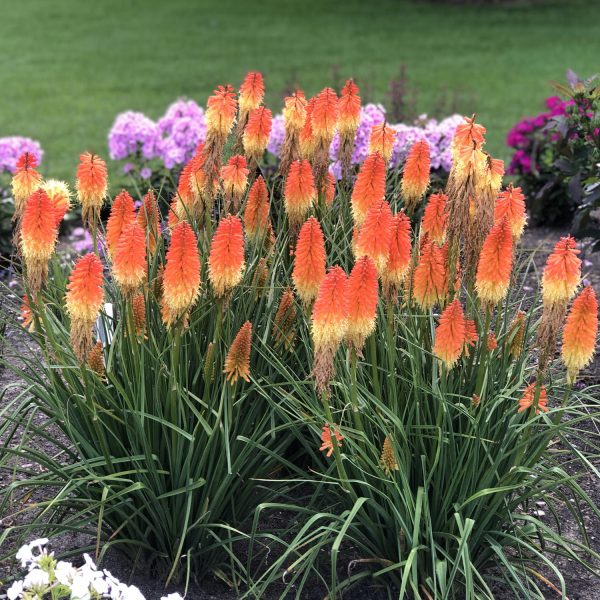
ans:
x=415 y=175
x=492 y=342
x=382 y=140
x=450 y=334
x=220 y=112
x=91 y=185
x=176 y=213
x=580 y=332
x=562 y=273
x=129 y=259
x=430 y=277
x=329 y=189
x=294 y=111
x=369 y=187
x=60 y=196
x=122 y=213
x=257 y=132
x=226 y=259
x=184 y=186
x=399 y=255
x=299 y=192
x=284 y=330
x=309 y=261
x=234 y=176
x=252 y=92
x=375 y=235
x=325 y=115
x=306 y=137
x=148 y=218
x=237 y=361
x=435 y=218
x=181 y=278
x=25 y=181
x=471 y=335
x=511 y=204
x=327 y=441
x=349 y=109
x=362 y=302
x=495 y=264
x=469 y=134
x=256 y=213
x=83 y=302
x=528 y=399
x=26 y=318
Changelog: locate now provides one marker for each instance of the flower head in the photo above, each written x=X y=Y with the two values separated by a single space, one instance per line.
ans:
x=129 y=258
x=435 y=218
x=309 y=261
x=382 y=140
x=122 y=213
x=562 y=273
x=330 y=311
x=511 y=205
x=528 y=398
x=91 y=185
x=375 y=235
x=415 y=177
x=257 y=132
x=220 y=112
x=369 y=187
x=226 y=258
x=25 y=180
x=294 y=111
x=327 y=442
x=237 y=361
x=306 y=136
x=430 y=277
x=234 y=176
x=362 y=302
x=148 y=218
x=299 y=193
x=349 y=109
x=325 y=116
x=450 y=334
x=387 y=460
x=60 y=196
x=252 y=92
x=398 y=261
x=284 y=330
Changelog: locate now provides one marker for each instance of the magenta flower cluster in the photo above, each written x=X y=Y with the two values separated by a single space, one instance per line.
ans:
x=11 y=148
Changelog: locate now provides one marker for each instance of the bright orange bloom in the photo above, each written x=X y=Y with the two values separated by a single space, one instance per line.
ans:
x=329 y=189
x=400 y=251
x=528 y=399
x=375 y=235
x=362 y=301
x=382 y=140
x=369 y=187
x=562 y=273
x=181 y=278
x=415 y=176
x=435 y=218
x=257 y=132
x=331 y=308
x=299 y=193
x=307 y=138
x=325 y=116
x=511 y=204
x=226 y=259
x=294 y=112
x=122 y=213
x=60 y=196
x=495 y=264
x=26 y=318
x=25 y=181
x=256 y=213
x=184 y=186
x=220 y=112
x=129 y=258
x=471 y=335
x=176 y=213
x=349 y=109
x=450 y=334
x=430 y=277
x=580 y=332
x=237 y=361
x=235 y=177
x=309 y=261
x=148 y=218
x=469 y=134
x=492 y=342
x=138 y=311
x=327 y=442
x=252 y=92
x=91 y=185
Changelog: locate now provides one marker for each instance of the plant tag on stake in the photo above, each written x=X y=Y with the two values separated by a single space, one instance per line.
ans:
x=105 y=325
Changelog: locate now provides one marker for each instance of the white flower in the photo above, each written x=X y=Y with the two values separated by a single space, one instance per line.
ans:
x=36 y=578
x=129 y=592
x=39 y=543
x=64 y=572
x=15 y=590
x=100 y=585
x=80 y=588
x=25 y=555
x=173 y=596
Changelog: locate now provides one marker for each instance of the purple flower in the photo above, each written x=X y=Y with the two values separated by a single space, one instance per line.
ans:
x=11 y=149
x=132 y=132
x=146 y=173
x=277 y=135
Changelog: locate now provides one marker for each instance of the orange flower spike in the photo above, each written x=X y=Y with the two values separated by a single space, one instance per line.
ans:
x=129 y=259
x=382 y=140
x=329 y=189
x=330 y=311
x=306 y=137
x=234 y=176
x=237 y=361
x=226 y=258
x=294 y=111
x=435 y=218
x=528 y=399
x=492 y=342
x=369 y=187
x=176 y=213
x=511 y=205
x=122 y=213
x=138 y=311
x=25 y=181
x=299 y=192
x=562 y=273
x=375 y=235
x=495 y=264
x=60 y=196
x=349 y=109
x=450 y=334
x=148 y=218
x=415 y=176
x=327 y=442
x=181 y=277
x=362 y=301
x=471 y=335
x=91 y=185
x=220 y=112
x=580 y=332
x=469 y=134
x=309 y=261
x=430 y=281
x=399 y=256
x=257 y=132
x=184 y=186
x=252 y=92
x=256 y=213
x=325 y=116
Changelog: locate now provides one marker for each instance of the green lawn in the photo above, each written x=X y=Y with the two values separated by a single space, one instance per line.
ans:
x=71 y=65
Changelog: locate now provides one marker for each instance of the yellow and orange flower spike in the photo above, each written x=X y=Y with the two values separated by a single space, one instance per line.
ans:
x=294 y=112
x=369 y=187
x=471 y=335
x=492 y=342
x=430 y=277
x=387 y=460
x=349 y=109
x=138 y=311
x=257 y=132
x=122 y=213
x=252 y=92
x=580 y=332
x=83 y=301
x=38 y=238
x=398 y=262
x=562 y=273
x=450 y=334
x=60 y=196
x=185 y=191
x=234 y=177
x=256 y=213
x=299 y=192
x=495 y=264
x=362 y=302
x=306 y=137
x=181 y=278
x=326 y=440
x=528 y=399
x=95 y=359
x=469 y=134
x=284 y=330
x=435 y=218
x=415 y=175
x=148 y=219
x=129 y=259
x=382 y=140
x=226 y=258
x=309 y=261
x=237 y=361
x=25 y=181
x=329 y=189
x=220 y=113
x=375 y=235
x=91 y=185
x=511 y=204
x=324 y=116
